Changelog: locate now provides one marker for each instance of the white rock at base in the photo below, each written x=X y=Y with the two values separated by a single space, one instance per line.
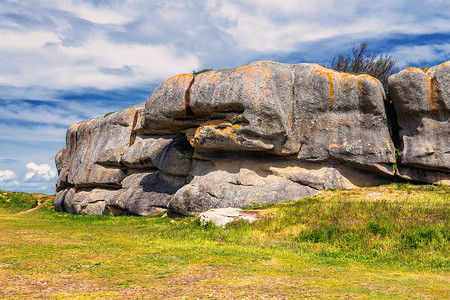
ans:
x=220 y=216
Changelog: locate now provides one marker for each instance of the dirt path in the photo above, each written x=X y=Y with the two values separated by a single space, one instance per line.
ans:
x=39 y=203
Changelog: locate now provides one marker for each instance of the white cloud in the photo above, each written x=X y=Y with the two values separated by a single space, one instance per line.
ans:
x=72 y=44
x=56 y=113
x=418 y=55
x=7 y=175
x=66 y=67
x=40 y=133
x=40 y=178
x=8 y=180
x=36 y=171
x=101 y=15
x=270 y=26
x=69 y=45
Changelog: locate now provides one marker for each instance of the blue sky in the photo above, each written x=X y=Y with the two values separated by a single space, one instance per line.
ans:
x=63 y=61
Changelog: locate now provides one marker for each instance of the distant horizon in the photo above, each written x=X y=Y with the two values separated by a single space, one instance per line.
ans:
x=66 y=61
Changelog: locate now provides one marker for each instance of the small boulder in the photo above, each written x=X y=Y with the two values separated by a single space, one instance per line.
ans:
x=222 y=216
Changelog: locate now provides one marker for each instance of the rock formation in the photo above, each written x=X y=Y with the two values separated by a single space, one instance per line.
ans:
x=262 y=133
x=422 y=102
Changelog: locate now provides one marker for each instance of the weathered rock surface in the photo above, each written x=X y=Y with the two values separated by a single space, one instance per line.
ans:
x=262 y=133
x=106 y=169
x=422 y=103
x=305 y=110
x=141 y=194
x=93 y=150
x=222 y=216
x=216 y=187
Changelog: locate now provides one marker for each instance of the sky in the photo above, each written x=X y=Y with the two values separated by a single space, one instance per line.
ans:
x=64 y=61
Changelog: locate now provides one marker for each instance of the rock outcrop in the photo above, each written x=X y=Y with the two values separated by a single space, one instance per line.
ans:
x=262 y=133
x=422 y=103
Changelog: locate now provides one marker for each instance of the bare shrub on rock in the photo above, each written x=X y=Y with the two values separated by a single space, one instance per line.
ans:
x=363 y=61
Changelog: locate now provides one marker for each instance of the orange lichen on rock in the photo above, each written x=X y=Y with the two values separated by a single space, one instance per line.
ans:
x=331 y=87
x=346 y=78
x=444 y=64
x=252 y=71
x=329 y=74
x=75 y=126
x=176 y=80
x=368 y=78
x=218 y=128
x=130 y=112
x=262 y=61
x=413 y=69
x=359 y=84
x=212 y=77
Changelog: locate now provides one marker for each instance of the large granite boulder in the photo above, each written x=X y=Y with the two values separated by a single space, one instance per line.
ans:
x=262 y=133
x=303 y=110
x=422 y=103
x=105 y=168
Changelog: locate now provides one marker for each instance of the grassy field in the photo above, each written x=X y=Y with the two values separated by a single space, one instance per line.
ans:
x=389 y=242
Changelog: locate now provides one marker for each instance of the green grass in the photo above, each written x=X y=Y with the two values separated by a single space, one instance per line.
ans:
x=385 y=242
x=16 y=201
